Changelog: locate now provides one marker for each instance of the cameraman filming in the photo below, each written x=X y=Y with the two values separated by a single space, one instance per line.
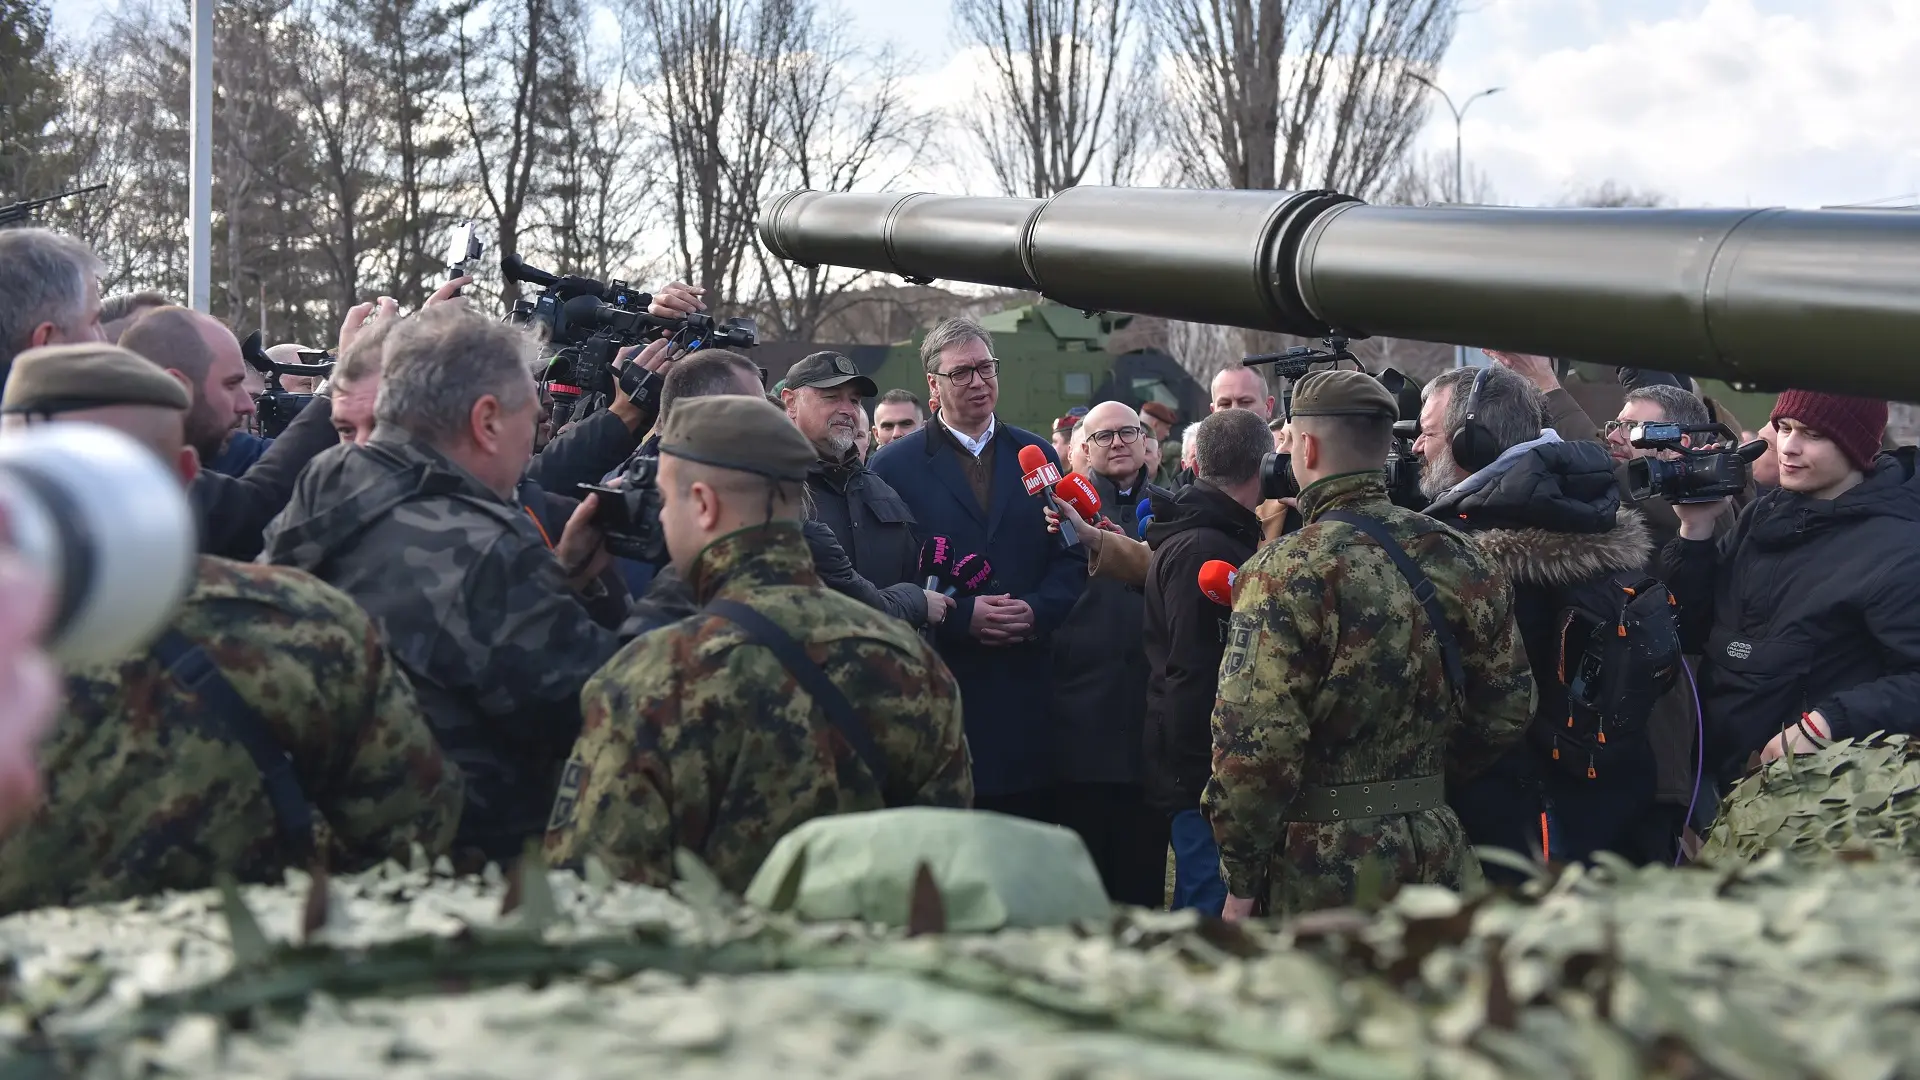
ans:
x=1807 y=607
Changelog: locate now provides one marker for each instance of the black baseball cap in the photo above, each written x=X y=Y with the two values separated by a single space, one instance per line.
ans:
x=827 y=370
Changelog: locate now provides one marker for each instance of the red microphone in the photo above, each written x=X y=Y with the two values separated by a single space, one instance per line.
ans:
x=1216 y=581
x=1037 y=473
x=1079 y=492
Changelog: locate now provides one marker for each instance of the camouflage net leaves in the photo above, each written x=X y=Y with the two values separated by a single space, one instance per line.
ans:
x=1853 y=800
x=1775 y=969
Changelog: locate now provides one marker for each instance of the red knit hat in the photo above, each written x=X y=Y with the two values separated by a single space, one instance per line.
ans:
x=1854 y=424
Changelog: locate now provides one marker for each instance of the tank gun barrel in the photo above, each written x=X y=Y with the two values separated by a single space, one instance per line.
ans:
x=1820 y=299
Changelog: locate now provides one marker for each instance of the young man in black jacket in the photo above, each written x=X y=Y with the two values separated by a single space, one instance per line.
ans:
x=1186 y=634
x=1807 y=609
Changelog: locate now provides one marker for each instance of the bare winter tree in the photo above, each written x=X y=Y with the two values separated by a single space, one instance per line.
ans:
x=1298 y=93
x=601 y=183
x=1427 y=180
x=717 y=72
x=1070 y=95
x=842 y=123
x=1612 y=193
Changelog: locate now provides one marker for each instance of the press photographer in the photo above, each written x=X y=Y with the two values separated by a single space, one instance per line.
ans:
x=1807 y=608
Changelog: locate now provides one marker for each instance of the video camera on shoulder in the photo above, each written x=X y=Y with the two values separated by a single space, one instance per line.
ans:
x=591 y=321
x=1705 y=469
x=276 y=406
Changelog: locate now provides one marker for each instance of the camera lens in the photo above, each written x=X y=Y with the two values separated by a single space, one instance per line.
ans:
x=106 y=526
x=1276 y=477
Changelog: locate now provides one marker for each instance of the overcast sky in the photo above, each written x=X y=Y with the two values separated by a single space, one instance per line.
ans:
x=1711 y=102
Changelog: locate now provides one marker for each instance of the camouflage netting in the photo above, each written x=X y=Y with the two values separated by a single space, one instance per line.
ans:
x=1775 y=969
x=1849 y=798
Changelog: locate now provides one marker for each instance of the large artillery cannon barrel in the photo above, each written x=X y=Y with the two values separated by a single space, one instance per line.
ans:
x=1826 y=299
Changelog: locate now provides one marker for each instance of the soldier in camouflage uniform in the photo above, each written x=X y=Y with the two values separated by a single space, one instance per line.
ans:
x=698 y=735
x=1335 y=721
x=149 y=783
x=424 y=528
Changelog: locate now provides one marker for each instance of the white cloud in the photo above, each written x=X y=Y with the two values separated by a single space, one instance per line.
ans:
x=1722 y=102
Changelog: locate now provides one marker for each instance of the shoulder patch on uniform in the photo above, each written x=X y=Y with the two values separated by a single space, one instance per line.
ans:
x=566 y=804
x=1241 y=630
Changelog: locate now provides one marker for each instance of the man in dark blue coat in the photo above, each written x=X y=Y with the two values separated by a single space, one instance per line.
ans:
x=960 y=475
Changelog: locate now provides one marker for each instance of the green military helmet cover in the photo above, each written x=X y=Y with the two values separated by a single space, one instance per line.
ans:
x=827 y=370
x=733 y=431
x=88 y=375
x=1343 y=393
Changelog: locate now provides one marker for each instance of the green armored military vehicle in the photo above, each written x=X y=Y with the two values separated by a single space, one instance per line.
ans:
x=1053 y=358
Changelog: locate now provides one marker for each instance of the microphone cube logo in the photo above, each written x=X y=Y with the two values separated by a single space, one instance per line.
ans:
x=1041 y=478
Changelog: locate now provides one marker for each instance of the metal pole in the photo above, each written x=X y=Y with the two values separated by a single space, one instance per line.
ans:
x=200 y=219
x=1459 y=188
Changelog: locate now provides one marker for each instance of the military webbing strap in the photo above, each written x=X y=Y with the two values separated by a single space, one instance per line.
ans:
x=192 y=668
x=1423 y=591
x=1350 y=802
x=812 y=679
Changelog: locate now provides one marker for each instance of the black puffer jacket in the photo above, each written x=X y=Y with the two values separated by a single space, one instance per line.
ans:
x=1099 y=670
x=1807 y=605
x=1185 y=636
x=875 y=528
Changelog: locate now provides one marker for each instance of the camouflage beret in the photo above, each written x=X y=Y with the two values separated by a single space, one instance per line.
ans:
x=733 y=431
x=1343 y=393
x=90 y=375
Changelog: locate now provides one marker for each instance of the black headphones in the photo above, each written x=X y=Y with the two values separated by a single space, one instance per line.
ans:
x=1474 y=447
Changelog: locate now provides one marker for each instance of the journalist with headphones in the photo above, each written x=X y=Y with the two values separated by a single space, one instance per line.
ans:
x=1600 y=638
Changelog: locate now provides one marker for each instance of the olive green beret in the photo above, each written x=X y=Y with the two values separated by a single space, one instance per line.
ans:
x=733 y=431
x=92 y=375
x=1343 y=393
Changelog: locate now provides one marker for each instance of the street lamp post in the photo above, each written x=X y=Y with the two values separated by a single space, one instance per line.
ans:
x=1459 y=114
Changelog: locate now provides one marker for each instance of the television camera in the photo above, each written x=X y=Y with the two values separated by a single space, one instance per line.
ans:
x=590 y=321
x=276 y=406
x=1277 y=480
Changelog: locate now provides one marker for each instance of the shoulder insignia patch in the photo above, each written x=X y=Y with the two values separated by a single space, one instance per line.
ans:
x=566 y=804
x=1239 y=645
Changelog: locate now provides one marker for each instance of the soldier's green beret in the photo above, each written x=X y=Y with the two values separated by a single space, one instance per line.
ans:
x=1343 y=393
x=91 y=375
x=733 y=431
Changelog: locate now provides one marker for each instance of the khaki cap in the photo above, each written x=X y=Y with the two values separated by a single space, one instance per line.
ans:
x=89 y=375
x=1343 y=393
x=733 y=431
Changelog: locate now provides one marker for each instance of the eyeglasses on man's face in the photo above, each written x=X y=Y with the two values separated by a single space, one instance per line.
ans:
x=1105 y=438
x=964 y=376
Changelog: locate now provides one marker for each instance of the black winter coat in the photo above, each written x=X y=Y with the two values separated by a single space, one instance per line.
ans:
x=583 y=454
x=875 y=528
x=233 y=511
x=1807 y=605
x=1185 y=636
x=1100 y=669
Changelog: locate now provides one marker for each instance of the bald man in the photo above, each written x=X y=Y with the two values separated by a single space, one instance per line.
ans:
x=268 y=705
x=1100 y=681
x=231 y=511
x=1241 y=388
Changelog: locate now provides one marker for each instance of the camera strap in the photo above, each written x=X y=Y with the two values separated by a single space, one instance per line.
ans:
x=763 y=631
x=1423 y=591
x=190 y=666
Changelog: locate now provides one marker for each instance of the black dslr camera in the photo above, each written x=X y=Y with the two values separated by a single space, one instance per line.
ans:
x=275 y=407
x=591 y=321
x=1702 y=473
x=629 y=514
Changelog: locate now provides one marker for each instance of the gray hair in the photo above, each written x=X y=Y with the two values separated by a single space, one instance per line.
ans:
x=948 y=333
x=44 y=277
x=1510 y=407
x=441 y=361
x=1677 y=405
x=364 y=356
x=1232 y=444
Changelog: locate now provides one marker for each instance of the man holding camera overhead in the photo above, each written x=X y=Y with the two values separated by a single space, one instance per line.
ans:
x=1369 y=655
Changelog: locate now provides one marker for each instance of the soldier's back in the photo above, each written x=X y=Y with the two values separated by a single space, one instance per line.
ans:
x=149 y=787
x=696 y=737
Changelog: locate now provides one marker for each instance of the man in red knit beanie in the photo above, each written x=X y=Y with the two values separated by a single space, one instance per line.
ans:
x=1806 y=610
x=1826 y=443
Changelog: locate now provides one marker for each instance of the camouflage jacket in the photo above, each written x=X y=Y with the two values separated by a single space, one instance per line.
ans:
x=474 y=607
x=148 y=791
x=694 y=738
x=1331 y=677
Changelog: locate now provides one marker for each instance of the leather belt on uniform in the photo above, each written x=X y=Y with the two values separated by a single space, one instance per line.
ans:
x=1349 y=802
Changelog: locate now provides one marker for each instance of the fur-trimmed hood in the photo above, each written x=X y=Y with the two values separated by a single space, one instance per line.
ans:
x=1536 y=556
